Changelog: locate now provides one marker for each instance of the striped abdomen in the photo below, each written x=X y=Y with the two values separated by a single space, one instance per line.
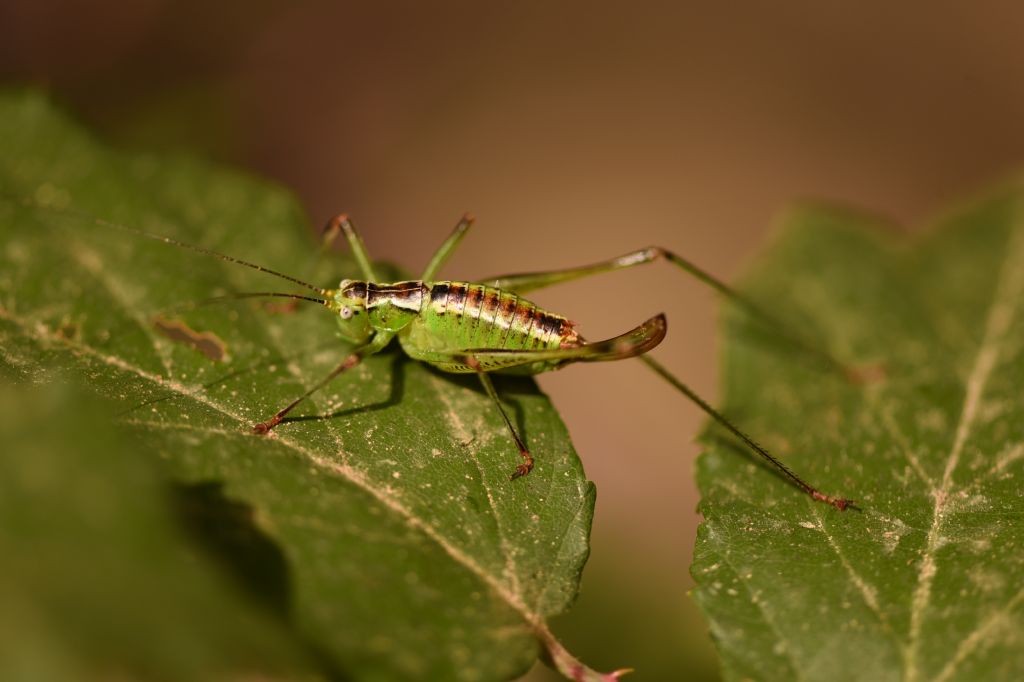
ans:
x=458 y=316
x=478 y=316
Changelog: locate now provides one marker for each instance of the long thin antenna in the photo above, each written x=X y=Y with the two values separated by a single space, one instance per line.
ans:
x=209 y=252
x=839 y=503
x=261 y=294
x=175 y=242
x=213 y=300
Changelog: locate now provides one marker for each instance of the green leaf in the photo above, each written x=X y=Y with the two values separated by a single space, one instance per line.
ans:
x=409 y=552
x=97 y=578
x=924 y=581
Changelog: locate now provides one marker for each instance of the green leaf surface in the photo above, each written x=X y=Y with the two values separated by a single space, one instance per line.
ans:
x=924 y=581
x=409 y=552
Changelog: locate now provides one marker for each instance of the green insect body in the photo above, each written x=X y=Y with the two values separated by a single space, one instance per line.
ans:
x=464 y=327
x=432 y=319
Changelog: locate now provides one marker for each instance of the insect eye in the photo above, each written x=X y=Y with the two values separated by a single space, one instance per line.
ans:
x=346 y=313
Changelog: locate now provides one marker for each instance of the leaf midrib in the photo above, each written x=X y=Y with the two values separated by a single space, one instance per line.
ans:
x=1010 y=284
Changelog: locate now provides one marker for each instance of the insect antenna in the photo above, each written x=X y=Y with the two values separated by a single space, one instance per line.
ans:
x=213 y=300
x=174 y=242
x=209 y=252
x=262 y=294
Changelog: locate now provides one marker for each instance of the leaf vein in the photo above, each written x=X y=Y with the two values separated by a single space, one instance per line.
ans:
x=90 y=261
x=904 y=445
x=980 y=635
x=1000 y=314
x=868 y=592
x=763 y=608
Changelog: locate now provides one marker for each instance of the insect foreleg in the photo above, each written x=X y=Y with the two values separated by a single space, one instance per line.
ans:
x=837 y=502
x=446 y=249
x=375 y=345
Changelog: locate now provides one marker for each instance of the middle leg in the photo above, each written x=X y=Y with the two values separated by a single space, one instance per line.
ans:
x=524 y=452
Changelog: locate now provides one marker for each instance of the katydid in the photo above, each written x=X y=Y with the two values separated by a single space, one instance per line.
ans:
x=469 y=327
x=486 y=327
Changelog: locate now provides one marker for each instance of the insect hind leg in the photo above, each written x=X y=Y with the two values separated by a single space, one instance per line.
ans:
x=525 y=282
x=840 y=503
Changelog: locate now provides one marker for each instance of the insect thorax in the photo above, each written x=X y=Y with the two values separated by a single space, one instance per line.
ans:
x=364 y=307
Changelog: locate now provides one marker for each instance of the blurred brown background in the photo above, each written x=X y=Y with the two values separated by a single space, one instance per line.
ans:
x=574 y=132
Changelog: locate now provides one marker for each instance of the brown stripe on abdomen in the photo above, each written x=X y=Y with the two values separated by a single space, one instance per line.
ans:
x=505 y=308
x=439 y=296
x=471 y=322
x=456 y=298
x=488 y=318
x=553 y=329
